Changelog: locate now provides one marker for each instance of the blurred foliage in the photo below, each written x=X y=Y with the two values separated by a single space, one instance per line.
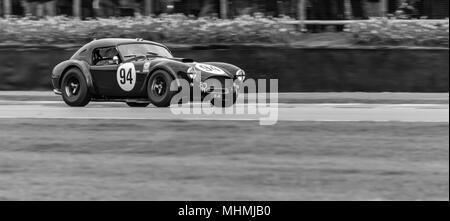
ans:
x=401 y=32
x=167 y=28
x=180 y=29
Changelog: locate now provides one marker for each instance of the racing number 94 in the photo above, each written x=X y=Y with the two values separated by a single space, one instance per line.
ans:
x=124 y=76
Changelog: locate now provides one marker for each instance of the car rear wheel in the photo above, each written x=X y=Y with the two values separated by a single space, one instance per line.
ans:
x=135 y=104
x=74 y=89
x=158 y=89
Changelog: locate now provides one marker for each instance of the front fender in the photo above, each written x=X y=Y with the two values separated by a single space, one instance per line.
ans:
x=60 y=69
x=173 y=68
x=232 y=69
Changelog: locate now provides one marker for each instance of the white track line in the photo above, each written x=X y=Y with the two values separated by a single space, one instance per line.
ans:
x=301 y=112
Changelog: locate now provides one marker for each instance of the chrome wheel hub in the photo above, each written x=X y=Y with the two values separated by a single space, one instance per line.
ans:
x=159 y=86
x=72 y=88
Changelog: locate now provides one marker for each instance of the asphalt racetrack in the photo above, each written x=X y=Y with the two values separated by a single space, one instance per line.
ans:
x=337 y=146
x=387 y=109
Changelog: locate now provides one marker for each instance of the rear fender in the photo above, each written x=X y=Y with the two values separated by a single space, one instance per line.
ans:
x=62 y=68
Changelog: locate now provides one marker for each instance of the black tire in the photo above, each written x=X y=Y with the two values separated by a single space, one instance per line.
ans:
x=135 y=104
x=224 y=102
x=158 y=89
x=74 y=88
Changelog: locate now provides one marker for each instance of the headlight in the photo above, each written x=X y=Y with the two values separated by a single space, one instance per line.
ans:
x=240 y=75
x=193 y=73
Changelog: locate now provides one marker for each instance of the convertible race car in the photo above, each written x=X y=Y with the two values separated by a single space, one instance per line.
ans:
x=139 y=72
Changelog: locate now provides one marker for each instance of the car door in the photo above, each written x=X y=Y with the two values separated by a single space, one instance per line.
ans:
x=111 y=78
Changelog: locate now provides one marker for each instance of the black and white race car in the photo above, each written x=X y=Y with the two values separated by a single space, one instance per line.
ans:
x=140 y=72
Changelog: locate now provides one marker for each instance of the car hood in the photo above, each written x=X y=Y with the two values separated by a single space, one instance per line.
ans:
x=183 y=64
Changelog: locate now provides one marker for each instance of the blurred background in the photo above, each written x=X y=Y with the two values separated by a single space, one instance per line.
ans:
x=309 y=9
x=309 y=45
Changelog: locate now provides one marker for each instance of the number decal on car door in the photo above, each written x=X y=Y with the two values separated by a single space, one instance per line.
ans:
x=126 y=76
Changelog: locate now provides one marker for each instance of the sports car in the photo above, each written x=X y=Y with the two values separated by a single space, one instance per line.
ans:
x=139 y=73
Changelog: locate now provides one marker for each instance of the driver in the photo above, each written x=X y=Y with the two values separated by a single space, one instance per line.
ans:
x=107 y=56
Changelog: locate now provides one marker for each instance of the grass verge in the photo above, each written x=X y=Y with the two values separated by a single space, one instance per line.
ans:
x=179 y=160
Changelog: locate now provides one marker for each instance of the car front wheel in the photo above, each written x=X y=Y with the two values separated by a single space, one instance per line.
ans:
x=74 y=89
x=158 y=89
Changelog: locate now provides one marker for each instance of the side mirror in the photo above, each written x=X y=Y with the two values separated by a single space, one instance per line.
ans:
x=116 y=60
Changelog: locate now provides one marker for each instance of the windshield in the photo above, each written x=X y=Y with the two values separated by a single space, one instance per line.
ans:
x=130 y=50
